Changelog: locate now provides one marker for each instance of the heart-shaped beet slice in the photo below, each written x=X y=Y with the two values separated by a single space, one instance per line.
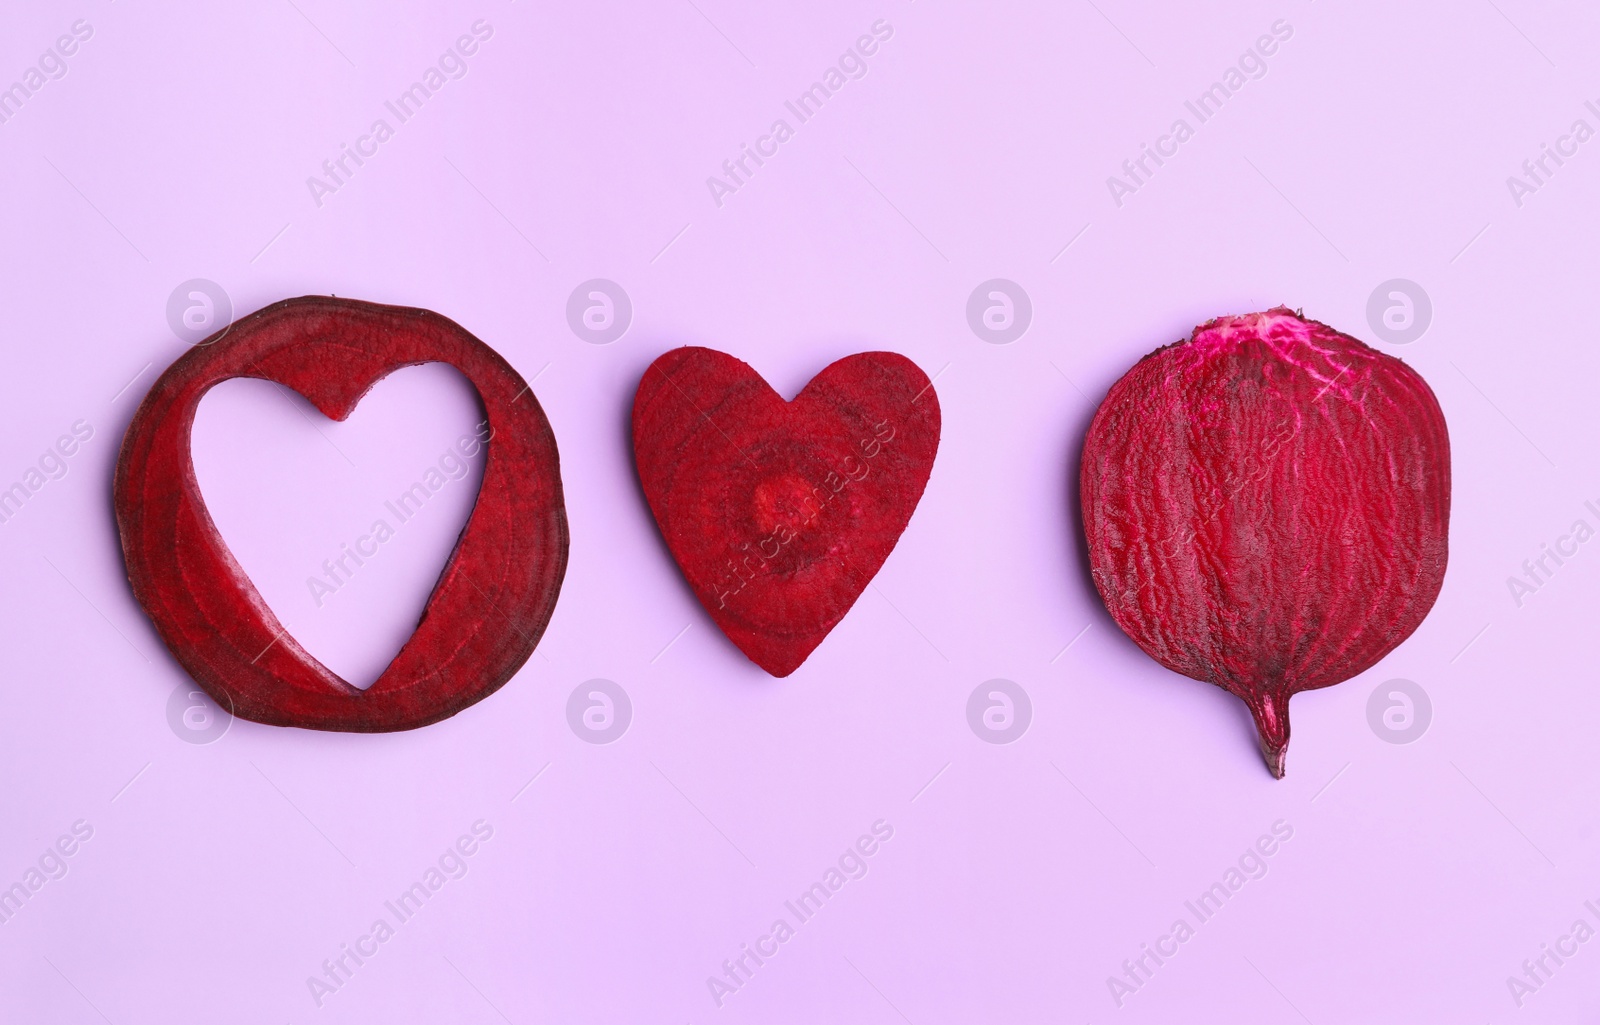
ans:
x=493 y=599
x=780 y=513
x=1266 y=508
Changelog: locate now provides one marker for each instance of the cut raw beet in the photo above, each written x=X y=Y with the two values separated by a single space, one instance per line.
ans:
x=492 y=601
x=780 y=513
x=1266 y=508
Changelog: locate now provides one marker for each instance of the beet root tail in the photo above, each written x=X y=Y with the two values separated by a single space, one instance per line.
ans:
x=1271 y=713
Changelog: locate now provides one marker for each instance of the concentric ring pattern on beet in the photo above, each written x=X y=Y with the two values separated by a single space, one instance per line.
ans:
x=780 y=513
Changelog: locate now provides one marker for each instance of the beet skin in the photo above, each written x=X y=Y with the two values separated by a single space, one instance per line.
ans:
x=1266 y=508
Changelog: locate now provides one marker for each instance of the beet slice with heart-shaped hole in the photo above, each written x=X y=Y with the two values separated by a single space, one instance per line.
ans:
x=492 y=600
x=780 y=513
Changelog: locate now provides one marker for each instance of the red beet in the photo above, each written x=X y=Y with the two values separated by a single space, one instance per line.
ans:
x=1266 y=508
x=493 y=599
x=780 y=513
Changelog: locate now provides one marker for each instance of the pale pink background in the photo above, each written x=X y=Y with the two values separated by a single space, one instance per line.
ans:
x=1377 y=146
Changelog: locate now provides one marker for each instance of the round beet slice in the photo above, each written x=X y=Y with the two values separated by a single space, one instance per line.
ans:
x=493 y=599
x=1266 y=508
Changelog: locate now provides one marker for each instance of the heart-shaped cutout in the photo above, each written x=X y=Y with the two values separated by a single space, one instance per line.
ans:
x=491 y=602
x=343 y=527
x=780 y=513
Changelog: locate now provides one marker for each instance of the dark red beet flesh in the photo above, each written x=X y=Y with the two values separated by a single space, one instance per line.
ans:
x=1266 y=508
x=493 y=599
x=780 y=513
